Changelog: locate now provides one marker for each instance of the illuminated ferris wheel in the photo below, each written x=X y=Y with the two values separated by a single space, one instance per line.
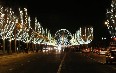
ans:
x=63 y=37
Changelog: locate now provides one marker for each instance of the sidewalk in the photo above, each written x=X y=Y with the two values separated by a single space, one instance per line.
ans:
x=6 y=59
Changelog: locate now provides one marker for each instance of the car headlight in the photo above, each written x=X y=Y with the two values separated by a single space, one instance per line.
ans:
x=112 y=57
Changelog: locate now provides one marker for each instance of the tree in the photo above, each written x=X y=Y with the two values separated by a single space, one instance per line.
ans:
x=111 y=19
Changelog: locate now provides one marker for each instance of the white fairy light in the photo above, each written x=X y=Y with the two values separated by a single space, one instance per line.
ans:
x=110 y=18
x=86 y=37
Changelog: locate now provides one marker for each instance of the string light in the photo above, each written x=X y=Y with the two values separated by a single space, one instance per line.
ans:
x=111 y=19
x=84 y=35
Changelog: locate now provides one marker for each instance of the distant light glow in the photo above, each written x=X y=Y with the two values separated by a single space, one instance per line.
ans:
x=59 y=47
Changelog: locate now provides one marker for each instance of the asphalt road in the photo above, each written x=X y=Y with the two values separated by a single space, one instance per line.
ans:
x=41 y=63
x=85 y=63
x=71 y=62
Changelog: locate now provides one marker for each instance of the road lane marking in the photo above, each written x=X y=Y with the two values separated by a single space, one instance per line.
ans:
x=10 y=69
x=94 y=59
x=22 y=64
x=112 y=67
x=28 y=61
x=60 y=66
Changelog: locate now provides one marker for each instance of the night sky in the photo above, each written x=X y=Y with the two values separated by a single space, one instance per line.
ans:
x=69 y=15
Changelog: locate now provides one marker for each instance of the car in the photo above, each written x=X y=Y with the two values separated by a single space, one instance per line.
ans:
x=102 y=51
x=111 y=56
x=95 y=50
x=86 y=50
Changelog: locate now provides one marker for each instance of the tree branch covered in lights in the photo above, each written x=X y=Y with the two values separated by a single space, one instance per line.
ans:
x=7 y=23
x=10 y=23
x=111 y=19
x=2 y=22
x=73 y=40
x=84 y=35
x=13 y=27
x=25 y=26
x=38 y=32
